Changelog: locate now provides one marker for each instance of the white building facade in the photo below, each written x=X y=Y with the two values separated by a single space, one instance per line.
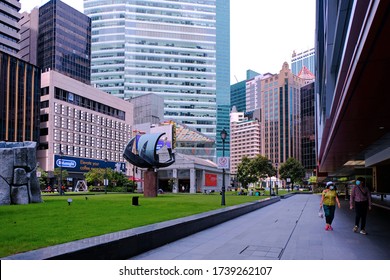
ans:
x=162 y=47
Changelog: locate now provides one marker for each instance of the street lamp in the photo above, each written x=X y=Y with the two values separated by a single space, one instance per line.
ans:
x=60 y=186
x=105 y=176
x=223 y=137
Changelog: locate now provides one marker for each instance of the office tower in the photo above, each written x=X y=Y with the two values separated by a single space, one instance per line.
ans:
x=29 y=24
x=244 y=139
x=308 y=128
x=178 y=50
x=305 y=58
x=84 y=126
x=19 y=99
x=237 y=96
x=64 y=41
x=280 y=123
x=9 y=27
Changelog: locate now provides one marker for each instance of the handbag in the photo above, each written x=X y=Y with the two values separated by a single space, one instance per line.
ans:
x=320 y=213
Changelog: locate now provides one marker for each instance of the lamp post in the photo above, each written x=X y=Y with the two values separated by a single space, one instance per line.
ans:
x=105 y=176
x=60 y=185
x=223 y=137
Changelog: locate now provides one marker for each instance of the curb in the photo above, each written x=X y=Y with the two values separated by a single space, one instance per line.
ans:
x=128 y=243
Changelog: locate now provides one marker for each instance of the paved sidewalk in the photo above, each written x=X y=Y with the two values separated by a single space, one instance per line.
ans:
x=286 y=230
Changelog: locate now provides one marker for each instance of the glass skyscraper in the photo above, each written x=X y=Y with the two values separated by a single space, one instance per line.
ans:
x=176 y=49
x=306 y=58
x=64 y=41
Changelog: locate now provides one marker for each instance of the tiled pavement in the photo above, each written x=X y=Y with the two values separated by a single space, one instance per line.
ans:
x=286 y=230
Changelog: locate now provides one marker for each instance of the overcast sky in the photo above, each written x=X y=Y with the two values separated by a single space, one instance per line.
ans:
x=263 y=34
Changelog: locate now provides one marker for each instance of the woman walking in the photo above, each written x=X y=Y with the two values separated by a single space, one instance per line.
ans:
x=328 y=202
x=360 y=200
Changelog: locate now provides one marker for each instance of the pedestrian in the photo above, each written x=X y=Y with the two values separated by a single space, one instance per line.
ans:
x=360 y=199
x=328 y=202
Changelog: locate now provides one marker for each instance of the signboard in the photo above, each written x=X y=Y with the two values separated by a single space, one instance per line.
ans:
x=73 y=164
x=210 y=180
x=223 y=162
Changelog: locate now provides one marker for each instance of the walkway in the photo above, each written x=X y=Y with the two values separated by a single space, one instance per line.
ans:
x=286 y=230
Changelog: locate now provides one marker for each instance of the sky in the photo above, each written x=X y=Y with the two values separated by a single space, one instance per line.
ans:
x=263 y=33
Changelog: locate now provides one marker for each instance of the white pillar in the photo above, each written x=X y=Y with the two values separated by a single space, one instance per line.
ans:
x=192 y=180
x=175 y=187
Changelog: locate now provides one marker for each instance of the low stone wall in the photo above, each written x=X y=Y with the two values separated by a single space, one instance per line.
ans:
x=18 y=177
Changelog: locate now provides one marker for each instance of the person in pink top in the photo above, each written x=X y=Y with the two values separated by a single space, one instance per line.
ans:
x=360 y=199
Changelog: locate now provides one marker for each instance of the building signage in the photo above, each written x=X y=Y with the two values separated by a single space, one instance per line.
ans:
x=72 y=164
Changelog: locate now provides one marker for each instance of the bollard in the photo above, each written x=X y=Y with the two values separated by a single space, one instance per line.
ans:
x=134 y=200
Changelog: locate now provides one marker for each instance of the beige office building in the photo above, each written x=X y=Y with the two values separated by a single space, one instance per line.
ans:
x=244 y=139
x=280 y=121
x=81 y=127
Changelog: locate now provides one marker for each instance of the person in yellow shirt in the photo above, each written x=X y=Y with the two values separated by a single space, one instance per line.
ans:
x=328 y=202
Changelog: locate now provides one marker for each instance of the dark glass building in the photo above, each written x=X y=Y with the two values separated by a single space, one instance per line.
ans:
x=64 y=41
x=308 y=128
x=19 y=99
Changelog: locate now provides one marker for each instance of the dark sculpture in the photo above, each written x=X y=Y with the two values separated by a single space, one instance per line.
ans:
x=147 y=156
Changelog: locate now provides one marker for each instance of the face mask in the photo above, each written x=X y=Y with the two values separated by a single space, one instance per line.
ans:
x=358 y=182
x=331 y=187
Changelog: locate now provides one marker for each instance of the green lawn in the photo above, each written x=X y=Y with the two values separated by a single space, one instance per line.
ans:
x=33 y=226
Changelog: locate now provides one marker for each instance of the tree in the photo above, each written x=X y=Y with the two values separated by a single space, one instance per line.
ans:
x=43 y=179
x=95 y=176
x=245 y=174
x=116 y=180
x=292 y=169
x=57 y=174
x=262 y=167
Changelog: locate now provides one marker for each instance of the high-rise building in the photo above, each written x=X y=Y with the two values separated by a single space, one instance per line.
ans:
x=9 y=26
x=29 y=24
x=352 y=93
x=176 y=49
x=308 y=149
x=81 y=126
x=308 y=128
x=244 y=139
x=64 y=41
x=237 y=96
x=19 y=99
x=305 y=58
x=280 y=111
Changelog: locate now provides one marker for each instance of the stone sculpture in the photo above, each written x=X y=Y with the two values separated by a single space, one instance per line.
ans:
x=18 y=177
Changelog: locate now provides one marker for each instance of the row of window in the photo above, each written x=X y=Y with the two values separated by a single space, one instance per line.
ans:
x=87 y=103
x=87 y=152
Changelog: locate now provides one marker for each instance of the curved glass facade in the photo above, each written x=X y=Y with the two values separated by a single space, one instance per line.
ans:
x=162 y=47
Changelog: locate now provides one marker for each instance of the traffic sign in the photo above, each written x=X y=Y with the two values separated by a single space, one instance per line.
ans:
x=223 y=162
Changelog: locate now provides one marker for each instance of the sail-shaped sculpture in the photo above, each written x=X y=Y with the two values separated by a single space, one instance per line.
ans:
x=147 y=155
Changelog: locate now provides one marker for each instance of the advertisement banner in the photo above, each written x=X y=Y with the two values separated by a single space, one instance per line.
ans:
x=73 y=164
x=210 y=180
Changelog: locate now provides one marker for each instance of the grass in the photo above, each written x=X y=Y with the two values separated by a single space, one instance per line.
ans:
x=28 y=227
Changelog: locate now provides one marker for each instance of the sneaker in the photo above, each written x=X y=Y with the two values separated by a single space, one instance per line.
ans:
x=330 y=228
x=363 y=232
x=327 y=227
x=355 y=229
